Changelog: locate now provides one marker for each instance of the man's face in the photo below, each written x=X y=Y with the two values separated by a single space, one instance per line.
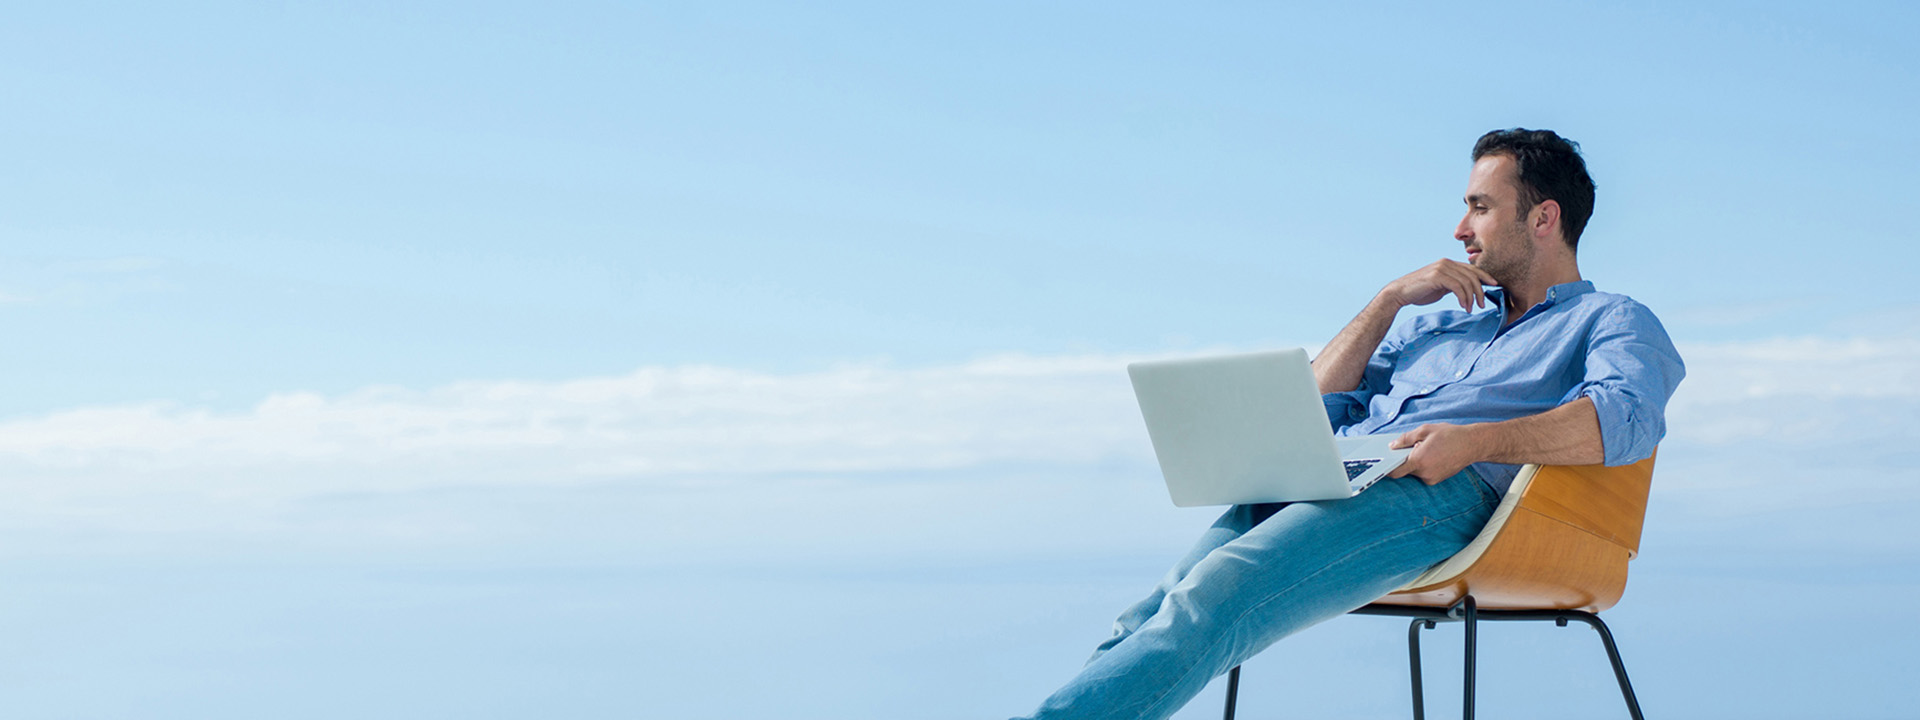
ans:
x=1495 y=227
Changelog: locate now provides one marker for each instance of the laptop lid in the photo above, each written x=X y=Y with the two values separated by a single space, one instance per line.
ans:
x=1239 y=428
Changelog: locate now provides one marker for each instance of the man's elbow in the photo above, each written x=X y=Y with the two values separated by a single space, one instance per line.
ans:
x=1592 y=448
x=1632 y=443
x=1627 y=428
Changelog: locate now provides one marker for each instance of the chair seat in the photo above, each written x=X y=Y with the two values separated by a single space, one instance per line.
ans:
x=1457 y=565
x=1559 y=540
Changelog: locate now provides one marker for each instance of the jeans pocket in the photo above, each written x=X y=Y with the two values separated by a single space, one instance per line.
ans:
x=1480 y=483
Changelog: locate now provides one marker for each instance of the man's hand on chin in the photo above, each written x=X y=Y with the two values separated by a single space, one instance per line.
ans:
x=1440 y=451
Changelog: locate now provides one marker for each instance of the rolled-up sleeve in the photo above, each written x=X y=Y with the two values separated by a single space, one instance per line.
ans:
x=1632 y=369
x=1347 y=408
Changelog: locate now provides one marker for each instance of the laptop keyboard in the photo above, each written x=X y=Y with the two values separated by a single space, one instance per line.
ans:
x=1355 y=467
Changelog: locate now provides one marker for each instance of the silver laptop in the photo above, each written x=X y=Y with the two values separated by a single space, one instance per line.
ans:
x=1250 y=428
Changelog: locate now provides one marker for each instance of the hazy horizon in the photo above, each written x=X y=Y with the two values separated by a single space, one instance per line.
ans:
x=696 y=360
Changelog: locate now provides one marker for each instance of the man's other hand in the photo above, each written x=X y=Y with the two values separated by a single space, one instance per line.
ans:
x=1442 y=278
x=1440 y=451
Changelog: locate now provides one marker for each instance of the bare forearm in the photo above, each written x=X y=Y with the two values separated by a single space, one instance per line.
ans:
x=1343 y=361
x=1340 y=366
x=1566 y=435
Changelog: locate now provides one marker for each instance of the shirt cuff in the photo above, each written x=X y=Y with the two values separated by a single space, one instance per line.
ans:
x=1626 y=436
x=1343 y=409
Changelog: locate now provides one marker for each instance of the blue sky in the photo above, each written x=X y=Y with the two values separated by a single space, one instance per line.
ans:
x=502 y=360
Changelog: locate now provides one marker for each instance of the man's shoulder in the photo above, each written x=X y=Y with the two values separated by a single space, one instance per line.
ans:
x=1617 y=315
x=1600 y=302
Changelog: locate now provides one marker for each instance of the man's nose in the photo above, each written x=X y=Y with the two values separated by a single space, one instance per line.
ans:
x=1462 y=232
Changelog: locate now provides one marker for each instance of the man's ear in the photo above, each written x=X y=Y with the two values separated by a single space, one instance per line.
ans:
x=1545 y=220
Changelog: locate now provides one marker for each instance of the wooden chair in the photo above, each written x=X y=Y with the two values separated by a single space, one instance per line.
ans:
x=1555 y=549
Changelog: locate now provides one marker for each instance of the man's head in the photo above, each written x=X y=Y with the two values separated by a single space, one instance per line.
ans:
x=1517 y=229
x=1548 y=168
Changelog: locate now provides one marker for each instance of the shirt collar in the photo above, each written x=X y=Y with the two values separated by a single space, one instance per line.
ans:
x=1555 y=294
x=1564 y=291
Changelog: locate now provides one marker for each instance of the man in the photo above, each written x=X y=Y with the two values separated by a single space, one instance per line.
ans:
x=1536 y=367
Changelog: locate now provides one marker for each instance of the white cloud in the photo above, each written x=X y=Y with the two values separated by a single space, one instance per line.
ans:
x=1823 y=367
x=653 y=422
x=1751 y=417
x=1793 y=423
x=1796 y=391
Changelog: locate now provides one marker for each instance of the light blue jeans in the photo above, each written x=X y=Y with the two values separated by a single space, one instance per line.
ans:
x=1261 y=573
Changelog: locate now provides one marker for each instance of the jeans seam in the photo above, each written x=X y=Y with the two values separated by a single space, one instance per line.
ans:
x=1157 y=700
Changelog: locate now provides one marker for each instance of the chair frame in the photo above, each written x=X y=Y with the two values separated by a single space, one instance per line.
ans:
x=1425 y=618
x=1553 y=551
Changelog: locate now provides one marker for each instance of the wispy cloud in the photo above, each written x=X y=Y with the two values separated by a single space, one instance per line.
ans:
x=654 y=422
x=1795 y=390
x=1793 y=423
x=1747 y=414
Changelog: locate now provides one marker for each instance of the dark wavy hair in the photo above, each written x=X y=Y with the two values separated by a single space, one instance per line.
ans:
x=1550 y=169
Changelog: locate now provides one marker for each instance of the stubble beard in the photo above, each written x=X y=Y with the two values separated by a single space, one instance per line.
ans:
x=1513 y=266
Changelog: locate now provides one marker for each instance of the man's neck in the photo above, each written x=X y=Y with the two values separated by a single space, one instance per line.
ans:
x=1523 y=295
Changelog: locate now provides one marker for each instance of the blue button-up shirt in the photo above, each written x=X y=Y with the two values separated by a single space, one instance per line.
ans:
x=1460 y=367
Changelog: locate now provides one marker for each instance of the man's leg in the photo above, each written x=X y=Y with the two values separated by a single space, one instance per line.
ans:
x=1236 y=521
x=1307 y=563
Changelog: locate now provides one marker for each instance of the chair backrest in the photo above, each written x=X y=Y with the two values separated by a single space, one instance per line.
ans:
x=1560 y=540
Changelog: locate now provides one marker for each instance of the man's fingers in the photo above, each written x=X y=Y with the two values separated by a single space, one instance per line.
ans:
x=1474 y=280
x=1411 y=467
x=1486 y=278
x=1463 y=281
x=1479 y=295
x=1463 y=290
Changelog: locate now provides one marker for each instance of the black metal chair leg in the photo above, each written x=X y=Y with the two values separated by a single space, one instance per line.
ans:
x=1613 y=656
x=1471 y=618
x=1467 y=611
x=1413 y=663
x=1233 y=689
